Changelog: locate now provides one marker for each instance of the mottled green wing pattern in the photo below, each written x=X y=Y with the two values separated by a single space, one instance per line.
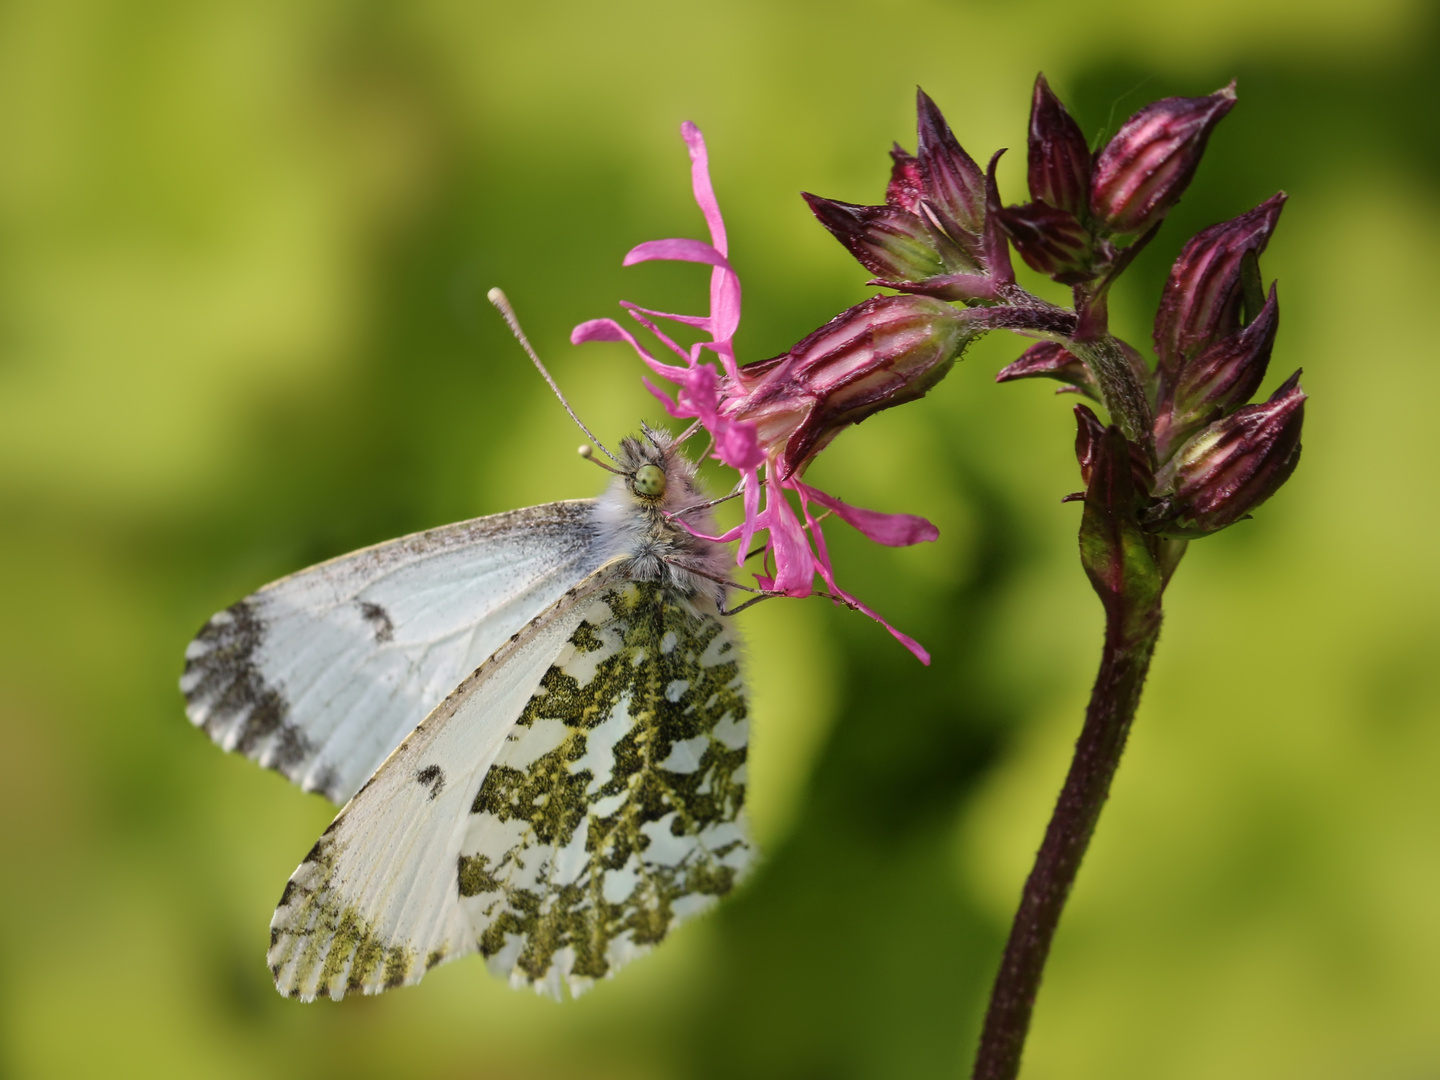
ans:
x=614 y=810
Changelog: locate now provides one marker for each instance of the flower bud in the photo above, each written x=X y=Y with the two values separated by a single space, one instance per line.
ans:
x=1227 y=374
x=989 y=254
x=1216 y=275
x=1149 y=163
x=1050 y=241
x=1059 y=155
x=1048 y=360
x=883 y=352
x=939 y=232
x=1232 y=466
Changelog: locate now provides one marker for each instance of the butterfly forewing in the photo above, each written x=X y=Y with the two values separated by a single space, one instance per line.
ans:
x=614 y=809
x=321 y=674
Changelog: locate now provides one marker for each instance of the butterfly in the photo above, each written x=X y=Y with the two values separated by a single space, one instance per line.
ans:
x=536 y=723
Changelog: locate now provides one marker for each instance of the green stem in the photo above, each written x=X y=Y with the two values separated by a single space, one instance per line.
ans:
x=1120 y=389
x=1130 y=637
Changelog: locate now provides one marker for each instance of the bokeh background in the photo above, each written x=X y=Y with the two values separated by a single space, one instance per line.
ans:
x=244 y=248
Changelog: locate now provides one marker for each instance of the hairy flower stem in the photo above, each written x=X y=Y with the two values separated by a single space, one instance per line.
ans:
x=1129 y=643
x=1119 y=388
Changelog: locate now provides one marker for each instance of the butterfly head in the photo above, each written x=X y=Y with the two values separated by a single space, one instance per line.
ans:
x=657 y=478
x=637 y=515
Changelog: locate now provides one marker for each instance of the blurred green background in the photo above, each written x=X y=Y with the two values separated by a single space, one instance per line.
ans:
x=244 y=247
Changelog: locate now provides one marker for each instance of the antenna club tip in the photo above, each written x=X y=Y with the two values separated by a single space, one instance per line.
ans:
x=495 y=296
x=586 y=451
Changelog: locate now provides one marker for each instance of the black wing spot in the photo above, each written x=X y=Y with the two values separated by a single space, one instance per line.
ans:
x=379 y=620
x=229 y=691
x=433 y=777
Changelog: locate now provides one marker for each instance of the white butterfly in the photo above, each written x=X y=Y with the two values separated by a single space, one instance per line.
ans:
x=575 y=787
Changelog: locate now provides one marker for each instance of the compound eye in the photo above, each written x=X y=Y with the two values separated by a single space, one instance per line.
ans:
x=649 y=481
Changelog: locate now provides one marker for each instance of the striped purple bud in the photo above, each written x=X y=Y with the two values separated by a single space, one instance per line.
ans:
x=1227 y=470
x=1149 y=163
x=1213 y=283
x=885 y=351
x=1219 y=380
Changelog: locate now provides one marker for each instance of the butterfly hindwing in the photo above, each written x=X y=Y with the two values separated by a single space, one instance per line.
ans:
x=321 y=674
x=375 y=903
x=614 y=809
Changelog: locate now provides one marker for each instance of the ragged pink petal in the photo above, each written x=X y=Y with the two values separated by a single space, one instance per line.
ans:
x=610 y=330
x=699 y=394
x=701 y=322
x=751 y=500
x=892 y=530
x=919 y=651
x=704 y=190
x=638 y=314
x=724 y=303
x=677 y=250
x=665 y=400
x=601 y=330
x=794 y=561
x=827 y=572
x=817 y=534
x=728 y=536
x=737 y=444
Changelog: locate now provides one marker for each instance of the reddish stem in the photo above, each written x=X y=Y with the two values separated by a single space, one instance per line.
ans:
x=1129 y=643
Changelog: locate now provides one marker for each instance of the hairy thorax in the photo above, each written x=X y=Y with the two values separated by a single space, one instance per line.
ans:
x=642 y=525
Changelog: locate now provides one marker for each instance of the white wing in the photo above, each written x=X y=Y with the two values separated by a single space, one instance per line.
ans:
x=321 y=674
x=561 y=812
x=616 y=807
x=375 y=904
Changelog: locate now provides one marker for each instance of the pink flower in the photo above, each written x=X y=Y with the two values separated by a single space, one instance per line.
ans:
x=775 y=416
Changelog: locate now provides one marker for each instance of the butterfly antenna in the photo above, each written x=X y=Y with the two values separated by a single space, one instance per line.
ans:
x=499 y=299
x=587 y=452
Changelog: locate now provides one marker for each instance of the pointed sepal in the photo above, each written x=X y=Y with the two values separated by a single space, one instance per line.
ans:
x=1050 y=240
x=1050 y=360
x=887 y=240
x=954 y=184
x=1059 y=157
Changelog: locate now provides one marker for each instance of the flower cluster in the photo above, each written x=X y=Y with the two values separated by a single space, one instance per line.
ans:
x=939 y=233
x=1200 y=458
x=1090 y=215
x=768 y=420
x=1206 y=458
